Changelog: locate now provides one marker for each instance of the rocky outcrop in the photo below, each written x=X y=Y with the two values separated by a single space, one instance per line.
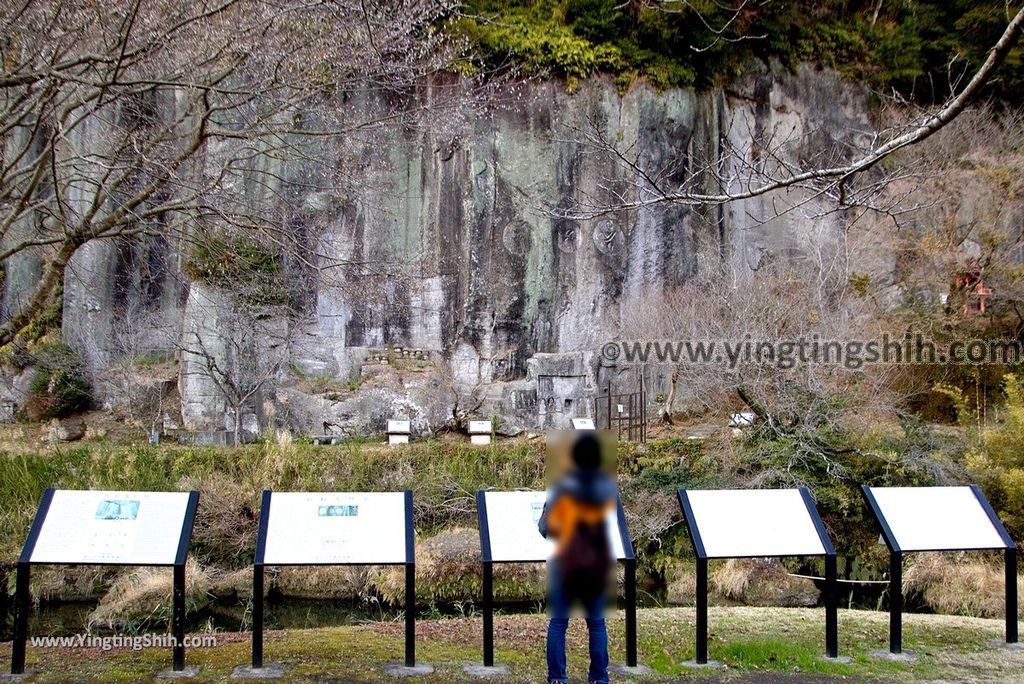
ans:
x=469 y=263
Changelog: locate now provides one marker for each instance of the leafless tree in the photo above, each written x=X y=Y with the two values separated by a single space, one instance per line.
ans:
x=779 y=305
x=458 y=401
x=252 y=345
x=161 y=118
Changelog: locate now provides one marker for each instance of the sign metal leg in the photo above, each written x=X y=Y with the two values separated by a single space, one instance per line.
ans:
x=488 y=589
x=178 y=618
x=895 y=602
x=631 y=613
x=702 y=611
x=257 y=616
x=410 y=615
x=22 y=603
x=1011 y=596
x=831 y=608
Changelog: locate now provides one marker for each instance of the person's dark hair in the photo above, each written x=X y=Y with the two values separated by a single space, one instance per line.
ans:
x=586 y=451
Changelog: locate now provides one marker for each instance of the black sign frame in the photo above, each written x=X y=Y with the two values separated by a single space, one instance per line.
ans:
x=258 y=576
x=896 y=567
x=701 y=594
x=22 y=598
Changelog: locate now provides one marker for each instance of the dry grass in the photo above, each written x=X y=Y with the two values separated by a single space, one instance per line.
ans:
x=227 y=519
x=142 y=597
x=319 y=581
x=681 y=581
x=958 y=584
x=71 y=583
x=234 y=585
x=761 y=582
x=448 y=570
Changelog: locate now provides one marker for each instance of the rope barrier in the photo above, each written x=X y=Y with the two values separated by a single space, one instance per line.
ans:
x=841 y=581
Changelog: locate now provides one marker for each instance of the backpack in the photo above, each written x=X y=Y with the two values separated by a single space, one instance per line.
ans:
x=584 y=560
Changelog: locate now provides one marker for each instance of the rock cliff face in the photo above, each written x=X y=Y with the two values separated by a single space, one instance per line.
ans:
x=508 y=304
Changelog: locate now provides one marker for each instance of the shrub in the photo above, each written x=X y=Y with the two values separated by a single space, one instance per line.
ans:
x=252 y=270
x=997 y=463
x=60 y=387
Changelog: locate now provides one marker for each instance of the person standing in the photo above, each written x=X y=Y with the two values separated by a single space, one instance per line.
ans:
x=578 y=572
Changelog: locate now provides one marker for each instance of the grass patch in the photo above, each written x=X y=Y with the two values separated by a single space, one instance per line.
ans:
x=748 y=640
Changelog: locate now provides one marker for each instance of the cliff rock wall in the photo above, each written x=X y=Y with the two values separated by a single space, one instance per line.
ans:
x=444 y=244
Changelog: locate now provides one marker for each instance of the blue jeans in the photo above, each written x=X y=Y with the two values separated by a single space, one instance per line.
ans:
x=559 y=607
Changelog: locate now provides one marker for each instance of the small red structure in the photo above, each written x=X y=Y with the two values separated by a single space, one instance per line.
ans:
x=977 y=293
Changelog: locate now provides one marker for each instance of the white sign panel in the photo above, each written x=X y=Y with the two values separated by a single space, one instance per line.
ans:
x=399 y=427
x=736 y=523
x=324 y=528
x=512 y=519
x=582 y=424
x=936 y=518
x=133 y=528
x=742 y=419
x=479 y=427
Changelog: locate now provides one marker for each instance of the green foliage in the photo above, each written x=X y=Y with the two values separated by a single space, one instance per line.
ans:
x=541 y=44
x=861 y=284
x=60 y=387
x=966 y=414
x=834 y=462
x=242 y=265
x=998 y=464
x=908 y=45
x=669 y=465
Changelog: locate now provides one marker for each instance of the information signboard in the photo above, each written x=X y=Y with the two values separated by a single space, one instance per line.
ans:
x=752 y=523
x=336 y=528
x=87 y=527
x=939 y=519
x=399 y=427
x=512 y=519
x=104 y=527
x=757 y=523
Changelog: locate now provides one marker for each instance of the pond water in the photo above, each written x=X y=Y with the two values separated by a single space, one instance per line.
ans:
x=71 y=618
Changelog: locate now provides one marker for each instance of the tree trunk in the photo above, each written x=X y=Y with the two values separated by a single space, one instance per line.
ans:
x=756 y=406
x=238 y=426
x=666 y=414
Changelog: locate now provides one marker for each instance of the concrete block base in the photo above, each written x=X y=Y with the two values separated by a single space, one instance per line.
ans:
x=403 y=670
x=480 y=670
x=184 y=673
x=638 y=670
x=907 y=657
x=268 y=671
